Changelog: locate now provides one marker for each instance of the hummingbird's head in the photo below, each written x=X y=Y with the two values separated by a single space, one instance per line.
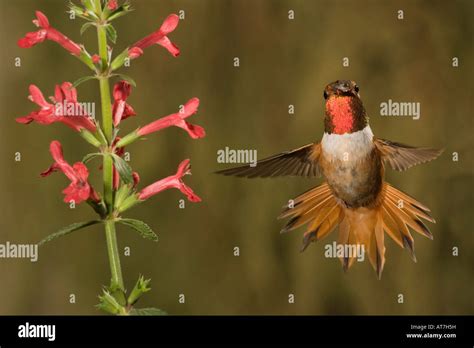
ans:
x=344 y=110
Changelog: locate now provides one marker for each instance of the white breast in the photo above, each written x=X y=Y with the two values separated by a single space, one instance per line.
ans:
x=348 y=146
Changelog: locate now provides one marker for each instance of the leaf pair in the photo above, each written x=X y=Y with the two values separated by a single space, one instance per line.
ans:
x=125 y=171
x=139 y=226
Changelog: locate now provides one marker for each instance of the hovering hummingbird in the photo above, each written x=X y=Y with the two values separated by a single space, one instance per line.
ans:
x=354 y=196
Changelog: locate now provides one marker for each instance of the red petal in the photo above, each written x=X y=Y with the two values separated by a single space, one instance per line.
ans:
x=194 y=131
x=32 y=38
x=43 y=21
x=69 y=92
x=76 y=193
x=136 y=179
x=57 y=152
x=122 y=90
x=118 y=111
x=189 y=193
x=184 y=168
x=190 y=108
x=58 y=94
x=25 y=119
x=128 y=111
x=53 y=168
x=171 y=47
x=169 y=24
x=82 y=173
x=37 y=97
x=135 y=52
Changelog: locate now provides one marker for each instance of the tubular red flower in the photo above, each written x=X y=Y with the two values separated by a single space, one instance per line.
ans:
x=177 y=120
x=48 y=32
x=120 y=109
x=173 y=181
x=95 y=59
x=160 y=37
x=79 y=189
x=65 y=109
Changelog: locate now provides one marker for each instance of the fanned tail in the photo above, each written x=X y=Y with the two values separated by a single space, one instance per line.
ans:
x=394 y=214
x=317 y=207
x=400 y=211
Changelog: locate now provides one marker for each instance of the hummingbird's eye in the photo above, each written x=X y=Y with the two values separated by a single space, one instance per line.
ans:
x=325 y=95
x=356 y=88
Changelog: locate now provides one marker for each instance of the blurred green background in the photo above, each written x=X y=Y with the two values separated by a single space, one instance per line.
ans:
x=282 y=62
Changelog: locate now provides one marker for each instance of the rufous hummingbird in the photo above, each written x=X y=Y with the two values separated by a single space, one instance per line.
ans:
x=355 y=197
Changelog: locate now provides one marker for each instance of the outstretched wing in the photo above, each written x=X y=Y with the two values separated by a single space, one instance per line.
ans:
x=401 y=157
x=299 y=162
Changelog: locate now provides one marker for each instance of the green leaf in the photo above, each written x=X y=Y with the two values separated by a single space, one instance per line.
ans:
x=141 y=287
x=90 y=156
x=89 y=5
x=108 y=303
x=123 y=168
x=81 y=80
x=122 y=193
x=111 y=33
x=141 y=227
x=86 y=26
x=68 y=229
x=78 y=11
x=147 y=311
x=128 y=79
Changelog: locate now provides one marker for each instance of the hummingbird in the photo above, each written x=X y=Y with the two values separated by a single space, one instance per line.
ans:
x=355 y=197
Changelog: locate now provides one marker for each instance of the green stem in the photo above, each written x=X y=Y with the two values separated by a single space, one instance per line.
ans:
x=106 y=108
x=114 y=258
x=111 y=236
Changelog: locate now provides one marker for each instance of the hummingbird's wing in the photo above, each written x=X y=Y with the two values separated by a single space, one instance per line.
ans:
x=401 y=157
x=299 y=162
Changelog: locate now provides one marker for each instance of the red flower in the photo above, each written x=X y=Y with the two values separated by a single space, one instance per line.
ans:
x=95 y=59
x=121 y=110
x=48 y=32
x=66 y=109
x=112 y=5
x=79 y=189
x=159 y=37
x=177 y=120
x=173 y=181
